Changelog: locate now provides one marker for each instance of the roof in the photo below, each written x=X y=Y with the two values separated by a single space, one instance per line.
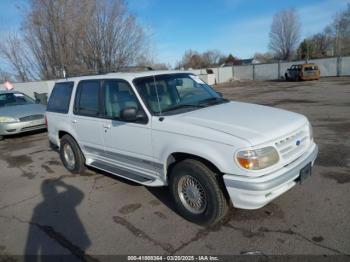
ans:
x=124 y=75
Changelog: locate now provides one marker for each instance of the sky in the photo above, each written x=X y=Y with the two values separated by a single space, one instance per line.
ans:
x=239 y=27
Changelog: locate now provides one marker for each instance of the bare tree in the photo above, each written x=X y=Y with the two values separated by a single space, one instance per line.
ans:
x=340 y=30
x=79 y=36
x=196 y=60
x=190 y=59
x=334 y=40
x=148 y=61
x=211 y=58
x=114 y=37
x=284 y=34
x=264 y=57
x=15 y=52
x=323 y=43
x=4 y=76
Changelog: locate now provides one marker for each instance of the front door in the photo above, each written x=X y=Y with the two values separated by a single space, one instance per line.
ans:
x=127 y=144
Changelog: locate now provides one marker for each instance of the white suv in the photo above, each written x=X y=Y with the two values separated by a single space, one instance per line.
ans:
x=169 y=128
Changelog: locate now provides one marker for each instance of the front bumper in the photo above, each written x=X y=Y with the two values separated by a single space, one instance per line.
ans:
x=20 y=127
x=254 y=193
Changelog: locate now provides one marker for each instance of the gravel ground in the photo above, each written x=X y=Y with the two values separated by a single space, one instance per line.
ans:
x=46 y=210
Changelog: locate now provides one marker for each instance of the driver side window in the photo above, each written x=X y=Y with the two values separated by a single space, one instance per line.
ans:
x=118 y=95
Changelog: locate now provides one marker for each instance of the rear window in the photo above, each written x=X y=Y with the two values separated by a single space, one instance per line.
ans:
x=310 y=68
x=60 y=98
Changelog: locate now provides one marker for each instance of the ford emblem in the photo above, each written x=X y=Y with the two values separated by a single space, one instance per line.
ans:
x=298 y=142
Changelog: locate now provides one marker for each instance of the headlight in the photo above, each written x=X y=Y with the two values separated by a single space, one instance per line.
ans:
x=6 y=119
x=311 y=132
x=257 y=159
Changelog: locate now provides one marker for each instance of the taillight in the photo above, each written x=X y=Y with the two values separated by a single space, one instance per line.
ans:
x=46 y=124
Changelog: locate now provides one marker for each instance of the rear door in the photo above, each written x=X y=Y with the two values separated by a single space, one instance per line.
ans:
x=86 y=119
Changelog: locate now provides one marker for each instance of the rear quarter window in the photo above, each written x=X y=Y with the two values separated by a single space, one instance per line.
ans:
x=60 y=98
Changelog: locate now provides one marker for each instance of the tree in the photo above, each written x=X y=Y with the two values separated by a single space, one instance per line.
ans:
x=322 y=44
x=4 y=76
x=340 y=30
x=147 y=61
x=284 y=34
x=79 y=36
x=13 y=50
x=264 y=57
x=190 y=59
x=195 y=60
x=306 y=49
x=211 y=58
x=333 y=41
x=230 y=60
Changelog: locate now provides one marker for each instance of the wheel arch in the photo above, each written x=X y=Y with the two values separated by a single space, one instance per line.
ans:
x=176 y=157
x=62 y=133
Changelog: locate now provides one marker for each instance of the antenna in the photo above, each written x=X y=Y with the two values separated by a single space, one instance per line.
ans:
x=64 y=72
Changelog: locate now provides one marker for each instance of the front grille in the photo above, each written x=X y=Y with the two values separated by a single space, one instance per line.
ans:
x=288 y=147
x=31 y=118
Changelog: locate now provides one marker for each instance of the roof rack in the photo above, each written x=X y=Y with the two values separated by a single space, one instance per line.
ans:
x=124 y=69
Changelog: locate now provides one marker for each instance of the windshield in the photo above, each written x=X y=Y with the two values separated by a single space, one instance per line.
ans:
x=14 y=99
x=167 y=94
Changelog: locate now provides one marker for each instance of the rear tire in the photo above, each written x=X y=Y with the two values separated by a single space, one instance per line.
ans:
x=196 y=192
x=71 y=155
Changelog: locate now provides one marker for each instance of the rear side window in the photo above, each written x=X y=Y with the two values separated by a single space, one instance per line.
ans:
x=87 y=101
x=60 y=98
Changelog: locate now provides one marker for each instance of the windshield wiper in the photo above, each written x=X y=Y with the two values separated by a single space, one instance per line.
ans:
x=212 y=101
x=182 y=106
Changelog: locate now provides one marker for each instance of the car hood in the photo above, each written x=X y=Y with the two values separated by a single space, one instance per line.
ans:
x=22 y=110
x=256 y=124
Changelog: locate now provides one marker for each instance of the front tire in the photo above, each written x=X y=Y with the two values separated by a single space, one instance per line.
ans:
x=196 y=192
x=71 y=155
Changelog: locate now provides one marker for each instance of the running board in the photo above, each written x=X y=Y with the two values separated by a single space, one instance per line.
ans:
x=128 y=174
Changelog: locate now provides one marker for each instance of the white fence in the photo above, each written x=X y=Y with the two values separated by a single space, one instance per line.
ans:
x=333 y=66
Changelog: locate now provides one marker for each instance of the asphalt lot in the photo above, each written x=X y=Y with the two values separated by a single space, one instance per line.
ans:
x=44 y=208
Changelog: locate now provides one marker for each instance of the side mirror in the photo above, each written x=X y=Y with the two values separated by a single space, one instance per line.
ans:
x=131 y=114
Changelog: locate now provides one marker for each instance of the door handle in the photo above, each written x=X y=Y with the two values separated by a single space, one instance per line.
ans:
x=107 y=126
